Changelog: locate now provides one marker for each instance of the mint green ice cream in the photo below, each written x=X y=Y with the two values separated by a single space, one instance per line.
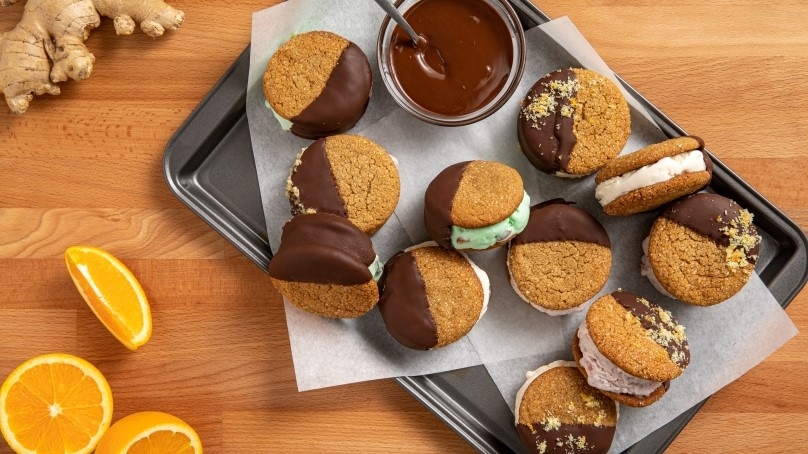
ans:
x=485 y=237
x=376 y=268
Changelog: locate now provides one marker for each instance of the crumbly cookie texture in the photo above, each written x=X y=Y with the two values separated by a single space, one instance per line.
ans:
x=559 y=275
x=571 y=401
x=366 y=178
x=602 y=122
x=330 y=300
x=298 y=71
x=696 y=269
x=640 y=351
x=453 y=290
x=488 y=193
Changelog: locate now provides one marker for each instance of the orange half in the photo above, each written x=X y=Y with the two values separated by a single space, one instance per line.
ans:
x=150 y=432
x=112 y=292
x=55 y=403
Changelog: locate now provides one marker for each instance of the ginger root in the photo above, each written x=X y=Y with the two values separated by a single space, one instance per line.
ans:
x=47 y=45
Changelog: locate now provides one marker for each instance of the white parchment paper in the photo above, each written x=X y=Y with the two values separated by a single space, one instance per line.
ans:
x=512 y=338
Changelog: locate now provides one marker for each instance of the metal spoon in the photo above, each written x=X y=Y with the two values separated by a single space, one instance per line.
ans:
x=393 y=12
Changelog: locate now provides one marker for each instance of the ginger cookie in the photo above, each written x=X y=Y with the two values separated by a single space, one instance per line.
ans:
x=572 y=122
x=345 y=175
x=701 y=250
x=561 y=259
x=326 y=266
x=630 y=348
x=653 y=176
x=557 y=412
x=475 y=205
x=431 y=297
x=319 y=82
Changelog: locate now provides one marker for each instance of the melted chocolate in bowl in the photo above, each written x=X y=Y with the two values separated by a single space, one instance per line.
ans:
x=464 y=68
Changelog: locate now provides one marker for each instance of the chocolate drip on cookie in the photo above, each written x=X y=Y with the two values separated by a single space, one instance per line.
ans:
x=567 y=438
x=659 y=324
x=323 y=248
x=545 y=126
x=404 y=306
x=557 y=220
x=343 y=100
x=720 y=219
x=316 y=188
x=438 y=203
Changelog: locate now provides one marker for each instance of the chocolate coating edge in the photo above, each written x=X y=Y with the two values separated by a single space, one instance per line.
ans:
x=558 y=220
x=403 y=304
x=438 y=200
x=315 y=182
x=547 y=148
x=343 y=100
x=595 y=440
x=323 y=248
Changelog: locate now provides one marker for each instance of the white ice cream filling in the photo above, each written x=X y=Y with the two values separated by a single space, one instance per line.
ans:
x=658 y=172
x=481 y=275
x=648 y=271
x=607 y=376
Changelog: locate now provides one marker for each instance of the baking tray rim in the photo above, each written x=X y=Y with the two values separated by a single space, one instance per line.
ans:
x=256 y=248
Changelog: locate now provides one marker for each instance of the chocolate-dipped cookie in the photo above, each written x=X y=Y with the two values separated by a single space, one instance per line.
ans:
x=573 y=121
x=319 y=82
x=431 y=297
x=475 y=205
x=326 y=266
x=630 y=348
x=346 y=175
x=653 y=176
x=701 y=250
x=557 y=412
x=561 y=259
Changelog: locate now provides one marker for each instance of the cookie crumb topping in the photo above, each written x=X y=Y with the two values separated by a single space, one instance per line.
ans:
x=663 y=329
x=742 y=241
x=546 y=103
x=551 y=423
x=572 y=444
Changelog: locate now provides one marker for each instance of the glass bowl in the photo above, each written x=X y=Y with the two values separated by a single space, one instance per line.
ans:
x=516 y=37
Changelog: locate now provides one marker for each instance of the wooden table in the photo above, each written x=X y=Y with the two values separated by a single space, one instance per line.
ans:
x=86 y=167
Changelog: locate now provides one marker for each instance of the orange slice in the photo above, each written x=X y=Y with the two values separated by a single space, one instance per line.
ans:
x=55 y=403
x=150 y=432
x=112 y=292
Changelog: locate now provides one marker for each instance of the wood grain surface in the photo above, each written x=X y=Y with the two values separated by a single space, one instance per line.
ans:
x=86 y=167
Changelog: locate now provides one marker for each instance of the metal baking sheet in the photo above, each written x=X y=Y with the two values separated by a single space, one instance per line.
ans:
x=209 y=166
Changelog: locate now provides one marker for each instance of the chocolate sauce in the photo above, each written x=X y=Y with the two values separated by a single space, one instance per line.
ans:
x=438 y=203
x=650 y=319
x=567 y=439
x=403 y=304
x=323 y=248
x=464 y=62
x=557 y=220
x=547 y=140
x=343 y=100
x=314 y=180
x=710 y=215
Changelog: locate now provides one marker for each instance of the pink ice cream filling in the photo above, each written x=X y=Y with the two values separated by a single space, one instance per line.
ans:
x=604 y=374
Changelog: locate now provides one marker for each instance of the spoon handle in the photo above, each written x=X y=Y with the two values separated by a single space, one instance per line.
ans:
x=393 y=12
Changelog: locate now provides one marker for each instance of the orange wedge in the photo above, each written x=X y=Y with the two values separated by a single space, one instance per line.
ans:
x=112 y=292
x=150 y=432
x=55 y=403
